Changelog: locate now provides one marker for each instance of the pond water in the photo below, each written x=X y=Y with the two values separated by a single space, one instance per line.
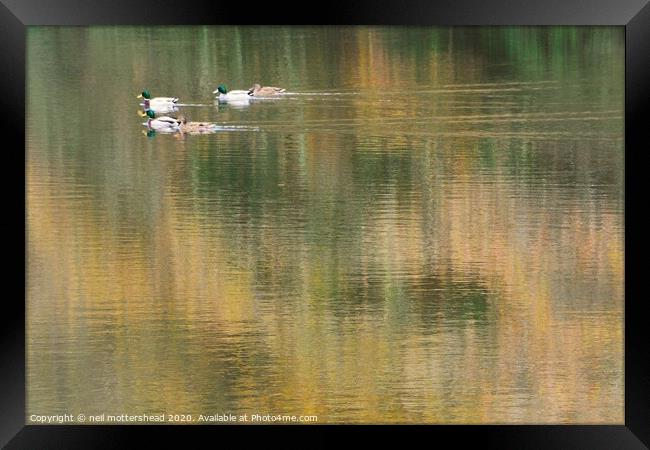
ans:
x=427 y=228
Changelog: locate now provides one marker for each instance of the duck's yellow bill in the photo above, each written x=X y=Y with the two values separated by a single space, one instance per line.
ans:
x=141 y=114
x=139 y=96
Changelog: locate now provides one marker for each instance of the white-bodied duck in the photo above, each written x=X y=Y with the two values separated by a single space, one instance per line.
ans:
x=164 y=123
x=158 y=103
x=226 y=95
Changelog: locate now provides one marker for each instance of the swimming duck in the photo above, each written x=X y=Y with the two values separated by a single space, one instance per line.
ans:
x=226 y=95
x=164 y=123
x=158 y=102
x=195 y=127
x=259 y=91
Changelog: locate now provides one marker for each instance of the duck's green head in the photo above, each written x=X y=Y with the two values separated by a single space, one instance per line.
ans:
x=222 y=89
x=145 y=94
x=151 y=114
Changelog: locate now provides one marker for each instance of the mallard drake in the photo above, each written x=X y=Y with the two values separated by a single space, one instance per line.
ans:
x=226 y=95
x=158 y=102
x=164 y=123
x=266 y=91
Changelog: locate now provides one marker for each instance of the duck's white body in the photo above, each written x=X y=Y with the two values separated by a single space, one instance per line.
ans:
x=160 y=103
x=234 y=96
x=164 y=123
x=164 y=100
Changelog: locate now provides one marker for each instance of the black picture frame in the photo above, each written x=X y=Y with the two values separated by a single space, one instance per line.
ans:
x=15 y=15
